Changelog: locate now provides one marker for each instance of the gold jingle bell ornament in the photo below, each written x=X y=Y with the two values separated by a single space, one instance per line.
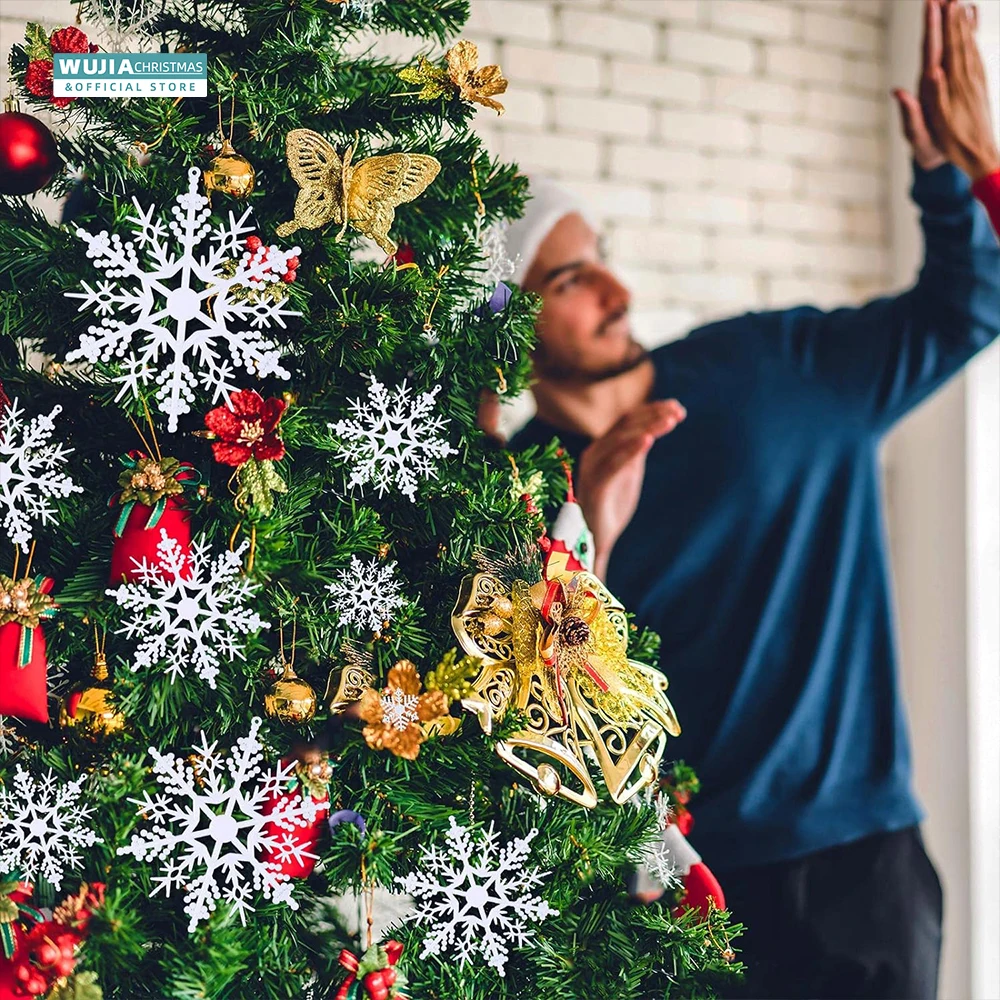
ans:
x=88 y=709
x=229 y=172
x=555 y=651
x=291 y=700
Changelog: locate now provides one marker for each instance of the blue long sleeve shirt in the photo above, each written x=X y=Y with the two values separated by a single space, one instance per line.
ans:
x=757 y=550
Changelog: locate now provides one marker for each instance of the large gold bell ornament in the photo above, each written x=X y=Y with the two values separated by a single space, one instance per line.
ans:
x=290 y=700
x=229 y=172
x=89 y=710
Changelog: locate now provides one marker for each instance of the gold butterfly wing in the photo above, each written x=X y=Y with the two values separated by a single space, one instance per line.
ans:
x=379 y=184
x=318 y=170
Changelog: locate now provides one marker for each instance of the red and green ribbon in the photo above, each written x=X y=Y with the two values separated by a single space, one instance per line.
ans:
x=40 y=606
x=13 y=910
x=185 y=474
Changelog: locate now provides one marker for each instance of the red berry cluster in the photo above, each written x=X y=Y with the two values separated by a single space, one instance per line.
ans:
x=51 y=954
x=38 y=78
x=254 y=243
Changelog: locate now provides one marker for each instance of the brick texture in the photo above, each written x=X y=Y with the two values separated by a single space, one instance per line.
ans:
x=734 y=149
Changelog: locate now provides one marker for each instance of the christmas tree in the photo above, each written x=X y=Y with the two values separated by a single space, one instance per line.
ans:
x=278 y=623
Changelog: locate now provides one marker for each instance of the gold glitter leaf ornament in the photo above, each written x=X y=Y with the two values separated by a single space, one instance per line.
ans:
x=364 y=195
x=474 y=83
x=556 y=652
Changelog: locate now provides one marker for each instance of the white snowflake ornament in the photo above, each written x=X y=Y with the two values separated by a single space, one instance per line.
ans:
x=393 y=438
x=188 y=610
x=43 y=826
x=476 y=897
x=366 y=595
x=361 y=9
x=400 y=709
x=185 y=326
x=211 y=829
x=493 y=246
x=31 y=475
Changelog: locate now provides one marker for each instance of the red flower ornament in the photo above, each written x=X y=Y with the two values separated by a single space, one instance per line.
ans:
x=247 y=428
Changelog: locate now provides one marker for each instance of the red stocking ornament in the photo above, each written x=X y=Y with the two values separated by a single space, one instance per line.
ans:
x=23 y=666
x=151 y=497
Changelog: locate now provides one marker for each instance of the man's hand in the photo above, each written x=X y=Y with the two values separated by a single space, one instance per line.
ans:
x=951 y=120
x=611 y=469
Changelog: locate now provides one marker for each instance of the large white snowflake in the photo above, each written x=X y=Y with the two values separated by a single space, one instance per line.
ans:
x=188 y=609
x=366 y=595
x=392 y=438
x=222 y=827
x=476 y=897
x=186 y=324
x=30 y=471
x=43 y=826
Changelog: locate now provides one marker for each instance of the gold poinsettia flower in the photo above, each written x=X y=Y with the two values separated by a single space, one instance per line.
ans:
x=474 y=83
x=395 y=714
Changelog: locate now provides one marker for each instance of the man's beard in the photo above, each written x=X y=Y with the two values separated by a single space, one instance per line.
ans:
x=556 y=371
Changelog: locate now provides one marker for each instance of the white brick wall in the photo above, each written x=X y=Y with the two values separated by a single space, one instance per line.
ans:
x=735 y=149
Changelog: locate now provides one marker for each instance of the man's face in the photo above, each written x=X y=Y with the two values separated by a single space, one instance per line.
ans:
x=584 y=332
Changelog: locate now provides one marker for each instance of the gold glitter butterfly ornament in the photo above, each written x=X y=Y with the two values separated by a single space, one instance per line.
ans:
x=364 y=195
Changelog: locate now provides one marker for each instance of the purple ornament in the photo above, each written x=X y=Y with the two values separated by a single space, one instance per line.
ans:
x=500 y=297
x=346 y=816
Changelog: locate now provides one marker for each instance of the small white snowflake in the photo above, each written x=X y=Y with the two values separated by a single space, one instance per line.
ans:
x=361 y=9
x=366 y=595
x=476 y=897
x=214 y=826
x=661 y=864
x=10 y=738
x=30 y=476
x=188 y=609
x=42 y=826
x=399 y=709
x=182 y=312
x=392 y=438
x=493 y=247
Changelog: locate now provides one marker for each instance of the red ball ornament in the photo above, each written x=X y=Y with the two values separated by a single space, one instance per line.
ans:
x=28 y=155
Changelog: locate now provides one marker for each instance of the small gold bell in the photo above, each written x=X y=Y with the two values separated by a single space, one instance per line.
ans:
x=230 y=173
x=291 y=700
x=89 y=708
x=491 y=624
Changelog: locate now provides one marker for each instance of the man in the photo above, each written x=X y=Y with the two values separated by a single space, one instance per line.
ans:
x=745 y=527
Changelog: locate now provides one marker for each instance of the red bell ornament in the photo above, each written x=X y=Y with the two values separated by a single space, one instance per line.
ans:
x=24 y=604
x=151 y=497
x=295 y=850
x=28 y=155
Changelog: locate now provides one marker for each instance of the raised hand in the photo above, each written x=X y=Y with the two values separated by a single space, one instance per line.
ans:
x=951 y=119
x=611 y=469
x=957 y=96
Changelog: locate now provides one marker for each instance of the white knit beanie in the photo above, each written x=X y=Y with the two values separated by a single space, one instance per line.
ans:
x=548 y=203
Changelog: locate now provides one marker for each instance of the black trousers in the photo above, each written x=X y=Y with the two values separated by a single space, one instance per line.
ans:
x=862 y=920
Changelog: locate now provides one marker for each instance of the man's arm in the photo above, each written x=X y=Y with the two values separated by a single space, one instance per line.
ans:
x=892 y=353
